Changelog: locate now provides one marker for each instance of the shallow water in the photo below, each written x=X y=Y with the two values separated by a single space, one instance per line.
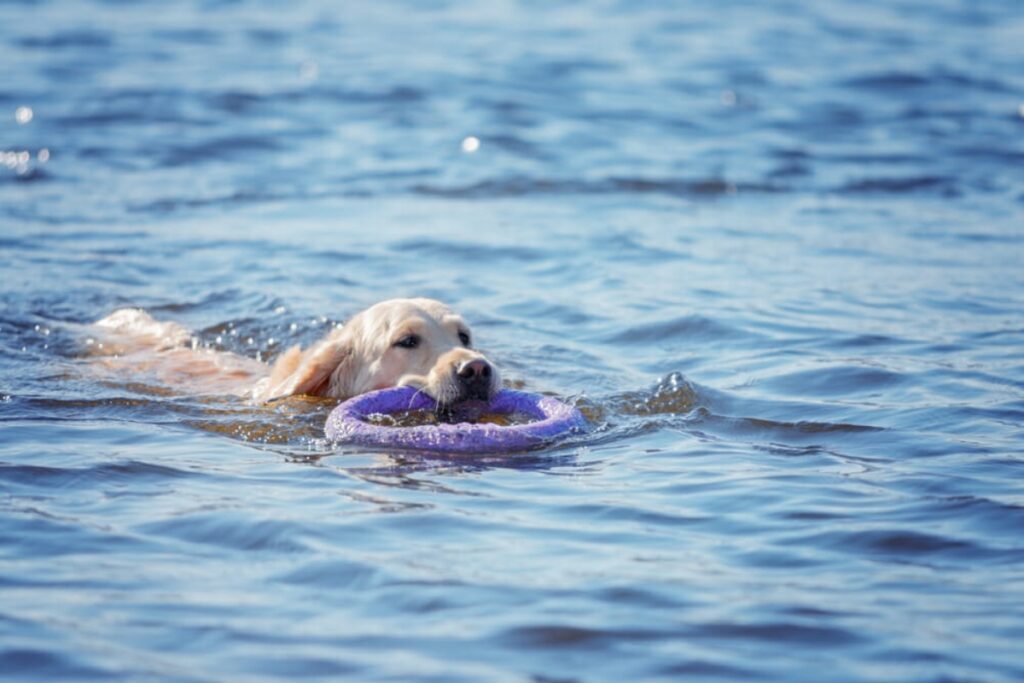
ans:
x=773 y=249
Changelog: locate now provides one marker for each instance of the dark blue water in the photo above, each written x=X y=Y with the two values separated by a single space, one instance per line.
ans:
x=776 y=251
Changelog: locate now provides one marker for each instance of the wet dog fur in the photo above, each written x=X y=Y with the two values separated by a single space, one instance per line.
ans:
x=400 y=342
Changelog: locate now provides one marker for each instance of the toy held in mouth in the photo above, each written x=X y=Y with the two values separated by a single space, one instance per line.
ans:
x=545 y=420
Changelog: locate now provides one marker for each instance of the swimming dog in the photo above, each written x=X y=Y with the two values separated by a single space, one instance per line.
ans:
x=399 y=342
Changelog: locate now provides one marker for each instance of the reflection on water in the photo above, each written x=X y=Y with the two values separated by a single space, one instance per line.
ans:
x=771 y=250
x=422 y=418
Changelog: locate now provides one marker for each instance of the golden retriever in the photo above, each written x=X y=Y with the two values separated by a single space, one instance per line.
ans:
x=399 y=342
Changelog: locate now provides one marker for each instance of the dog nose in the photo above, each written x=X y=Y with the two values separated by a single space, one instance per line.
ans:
x=474 y=370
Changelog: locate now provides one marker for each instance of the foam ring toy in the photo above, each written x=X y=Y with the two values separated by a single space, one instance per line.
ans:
x=554 y=419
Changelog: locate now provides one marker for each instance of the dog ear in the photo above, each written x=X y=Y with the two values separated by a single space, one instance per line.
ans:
x=323 y=370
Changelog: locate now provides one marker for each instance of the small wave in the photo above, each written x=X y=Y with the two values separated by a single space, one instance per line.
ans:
x=220 y=149
x=904 y=80
x=864 y=341
x=469 y=252
x=538 y=309
x=836 y=380
x=518 y=146
x=353 y=187
x=334 y=574
x=650 y=518
x=40 y=664
x=268 y=36
x=975 y=513
x=223 y=529
x=248 y=101
x=777 y=632
x=523 y=186
x=944 y=184
x=238 y=197
x=888 y=80
x=116 y=116
x=400 y=94
x=688 y=328
x=130 y=470
x=899 y=545
x=626 y=247
x=68 y=39
x=188 y=36
x=801 y=427
x=702 y=670
x=565 y=636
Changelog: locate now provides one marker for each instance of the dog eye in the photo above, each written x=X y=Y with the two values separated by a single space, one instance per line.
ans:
x=410 y=341
x=464 y=338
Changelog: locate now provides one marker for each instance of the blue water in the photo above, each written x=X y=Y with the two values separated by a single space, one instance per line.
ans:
x=775 y=250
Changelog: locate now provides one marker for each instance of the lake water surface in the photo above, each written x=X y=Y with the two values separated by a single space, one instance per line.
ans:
x=775 y=248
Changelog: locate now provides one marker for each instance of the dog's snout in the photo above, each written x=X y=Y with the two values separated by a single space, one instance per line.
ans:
x=475 y=370
x=474 y=378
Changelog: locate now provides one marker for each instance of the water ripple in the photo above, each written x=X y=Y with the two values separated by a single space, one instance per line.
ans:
x=526 y=186
x=774 y=257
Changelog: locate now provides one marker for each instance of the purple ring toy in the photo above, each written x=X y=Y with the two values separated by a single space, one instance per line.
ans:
x=554 y=419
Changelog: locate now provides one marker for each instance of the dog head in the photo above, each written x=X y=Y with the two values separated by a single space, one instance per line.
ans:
x=400 y=342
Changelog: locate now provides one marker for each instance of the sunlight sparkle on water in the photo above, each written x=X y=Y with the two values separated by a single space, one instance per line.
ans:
x=13 y=158
x=23 y=115
x=470 y=144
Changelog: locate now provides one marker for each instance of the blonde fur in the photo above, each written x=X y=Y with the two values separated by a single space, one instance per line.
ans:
x=370 y=351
